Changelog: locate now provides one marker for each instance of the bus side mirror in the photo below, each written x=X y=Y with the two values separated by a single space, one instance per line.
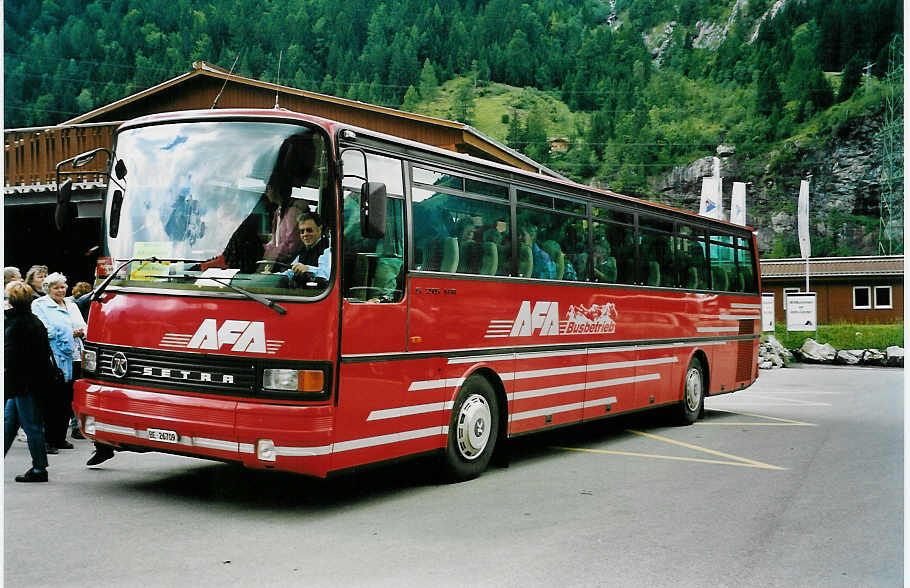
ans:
x=114 y=221
x=372 y=210
x=65 y=210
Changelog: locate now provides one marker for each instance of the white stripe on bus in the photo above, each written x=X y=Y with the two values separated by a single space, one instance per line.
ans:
x=718 y=329
x=185 y=440
x=481 y=358
x=745 y=305
x=401 y=411
x=434 y=384
x=545 y=354
x=637 y=363
x=518 y=416
x=586 y=386
x=284 y=450
x=388 y=439
x=740 y=317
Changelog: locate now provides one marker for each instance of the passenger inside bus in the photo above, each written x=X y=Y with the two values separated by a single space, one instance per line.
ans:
x=541 y=264
x=469 y=250
x=315 y=258
x=277 y=212
x=385 y=281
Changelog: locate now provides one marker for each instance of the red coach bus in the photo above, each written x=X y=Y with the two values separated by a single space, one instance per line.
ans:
x=460 y=302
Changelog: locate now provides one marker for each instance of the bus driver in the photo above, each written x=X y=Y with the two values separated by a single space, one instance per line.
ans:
x=316 y=256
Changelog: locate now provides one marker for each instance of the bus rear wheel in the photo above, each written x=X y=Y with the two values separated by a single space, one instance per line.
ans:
x=473 y=430
x=693 y=400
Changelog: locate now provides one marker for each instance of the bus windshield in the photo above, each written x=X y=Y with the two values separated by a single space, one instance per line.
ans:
x=221 y=203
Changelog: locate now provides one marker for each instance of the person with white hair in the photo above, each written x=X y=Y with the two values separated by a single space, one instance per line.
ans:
x=10 y=273
x=61 y=332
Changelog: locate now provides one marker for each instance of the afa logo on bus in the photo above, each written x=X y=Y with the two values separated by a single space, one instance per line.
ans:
x=543 y=318
x=242 y=336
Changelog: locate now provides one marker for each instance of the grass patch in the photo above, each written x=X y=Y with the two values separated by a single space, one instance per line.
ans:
x=845 y=336
x=494 y=100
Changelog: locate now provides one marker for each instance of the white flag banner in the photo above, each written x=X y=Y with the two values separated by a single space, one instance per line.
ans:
x=802 y=214
x=710 y=202
x=738 y=204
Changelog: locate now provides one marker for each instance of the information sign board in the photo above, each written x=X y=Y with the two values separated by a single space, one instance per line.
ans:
x=802 y=314
x=767 y=311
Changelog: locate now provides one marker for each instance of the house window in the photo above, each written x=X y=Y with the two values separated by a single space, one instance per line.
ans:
x=883 y=297
x=862 y=297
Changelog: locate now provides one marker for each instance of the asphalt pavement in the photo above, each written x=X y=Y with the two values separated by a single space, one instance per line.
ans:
x=796 y=481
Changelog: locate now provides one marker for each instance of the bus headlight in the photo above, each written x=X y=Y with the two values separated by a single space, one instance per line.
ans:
x=88 y=425
x=285 y=380
x=89 y=361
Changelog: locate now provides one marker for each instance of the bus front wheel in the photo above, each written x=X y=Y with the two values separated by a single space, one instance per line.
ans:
x=693 y=400
x=473 y=430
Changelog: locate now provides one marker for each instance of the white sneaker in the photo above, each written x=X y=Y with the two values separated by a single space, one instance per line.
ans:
x=20 y=436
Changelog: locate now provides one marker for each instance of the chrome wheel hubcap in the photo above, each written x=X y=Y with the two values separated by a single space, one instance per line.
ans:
x=472 y=428
x=693 y=389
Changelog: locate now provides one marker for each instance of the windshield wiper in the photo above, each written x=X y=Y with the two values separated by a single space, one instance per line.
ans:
x=258 y=298
x=100 y=290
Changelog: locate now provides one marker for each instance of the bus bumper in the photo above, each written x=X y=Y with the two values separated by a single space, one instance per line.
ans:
x=258 y=435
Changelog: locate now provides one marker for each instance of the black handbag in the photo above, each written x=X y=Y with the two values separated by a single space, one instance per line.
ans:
x=57 y=375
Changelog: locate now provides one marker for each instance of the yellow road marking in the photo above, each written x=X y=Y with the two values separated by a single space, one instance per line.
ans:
x=753 y=464
x=735 y=458
x=779 y=422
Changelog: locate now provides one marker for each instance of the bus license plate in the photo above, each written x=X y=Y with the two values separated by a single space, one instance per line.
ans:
x=163 y=435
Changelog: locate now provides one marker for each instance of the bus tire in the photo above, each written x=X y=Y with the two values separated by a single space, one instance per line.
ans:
x=473 y=431
x=693 y=400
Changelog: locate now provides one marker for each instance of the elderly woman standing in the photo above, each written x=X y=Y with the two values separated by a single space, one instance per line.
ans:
x=53 y=312
x=26 y=374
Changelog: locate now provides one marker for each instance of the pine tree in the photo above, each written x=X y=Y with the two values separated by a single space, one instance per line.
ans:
x=853 y=74
x=411 y=99
x=515 y=136
x=463 y=102
x=428 y=84
x=538 y=145
x=768 y=98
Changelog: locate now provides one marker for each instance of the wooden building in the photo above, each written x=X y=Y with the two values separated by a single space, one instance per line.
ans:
x=848 y=289
x=30 y=155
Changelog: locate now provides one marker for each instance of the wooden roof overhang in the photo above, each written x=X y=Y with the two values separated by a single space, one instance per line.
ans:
x=200 y=87
x=833 y=267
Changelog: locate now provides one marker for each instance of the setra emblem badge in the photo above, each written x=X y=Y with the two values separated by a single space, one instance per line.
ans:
x=119 y=365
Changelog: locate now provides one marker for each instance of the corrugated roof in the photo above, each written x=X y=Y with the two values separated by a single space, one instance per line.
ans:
x=832 y=267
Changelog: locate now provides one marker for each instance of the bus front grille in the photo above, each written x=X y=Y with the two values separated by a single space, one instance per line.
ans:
x=164 y=369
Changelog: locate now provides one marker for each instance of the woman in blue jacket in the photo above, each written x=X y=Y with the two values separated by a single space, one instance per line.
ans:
x=61 y=333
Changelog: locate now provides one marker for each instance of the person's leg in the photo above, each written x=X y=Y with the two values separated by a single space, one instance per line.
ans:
x=74 y=422
x=30 y=415
x=49 y=410
x=102 y=454
x=10 y=424
x=64 y=414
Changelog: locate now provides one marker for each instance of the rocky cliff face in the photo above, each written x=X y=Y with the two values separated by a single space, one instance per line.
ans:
x=846 y=187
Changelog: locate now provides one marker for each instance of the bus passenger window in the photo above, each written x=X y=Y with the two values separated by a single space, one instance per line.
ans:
x=460 y=234
x=721 y=255
x=613 y=253
x=744 y=261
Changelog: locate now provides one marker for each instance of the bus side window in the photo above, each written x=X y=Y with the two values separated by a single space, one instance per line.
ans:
x=373 y=268
x=721 y=254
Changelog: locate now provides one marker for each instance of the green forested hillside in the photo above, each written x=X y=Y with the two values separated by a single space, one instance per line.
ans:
x=637 y=86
